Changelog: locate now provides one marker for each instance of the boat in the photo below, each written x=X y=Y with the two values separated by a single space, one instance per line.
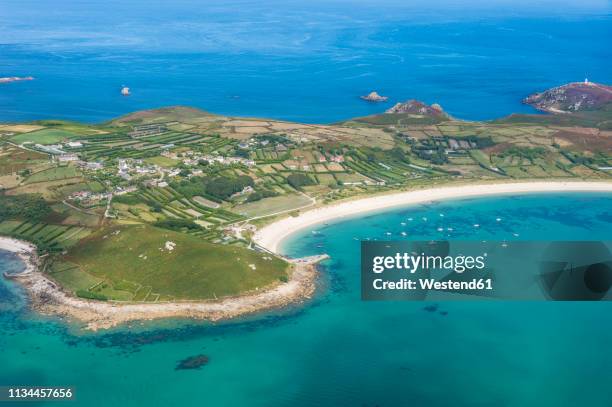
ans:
x=125 y=91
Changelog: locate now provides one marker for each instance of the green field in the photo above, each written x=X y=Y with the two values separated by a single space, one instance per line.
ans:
x=135 y=256
x=52 y=174
x=162 y=161
x=58 y=236
x=45 y=136
x=272 y=205
x=14 y=159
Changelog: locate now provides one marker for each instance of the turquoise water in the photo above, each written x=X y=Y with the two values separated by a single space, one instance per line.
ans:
x=337 y=350
x=305 y=61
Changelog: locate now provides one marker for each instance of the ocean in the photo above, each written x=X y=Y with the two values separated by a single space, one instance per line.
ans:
x=339 y=351
x=299 y=61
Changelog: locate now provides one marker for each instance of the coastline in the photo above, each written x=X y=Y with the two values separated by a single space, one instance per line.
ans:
x=47 y=297
x=271 y=236
x=26 y=251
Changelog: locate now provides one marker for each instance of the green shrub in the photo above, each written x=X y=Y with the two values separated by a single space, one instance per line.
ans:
x=298 y=180
x=27 y=206
x=177 y=224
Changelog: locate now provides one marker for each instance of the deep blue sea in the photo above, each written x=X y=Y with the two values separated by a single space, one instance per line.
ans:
x=340 y=351
x=305 y=61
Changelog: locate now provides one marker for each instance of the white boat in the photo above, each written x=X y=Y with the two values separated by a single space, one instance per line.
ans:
x=125 y=91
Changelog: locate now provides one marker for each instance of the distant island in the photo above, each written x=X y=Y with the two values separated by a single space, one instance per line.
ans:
x=179 y=212
x=374 y=97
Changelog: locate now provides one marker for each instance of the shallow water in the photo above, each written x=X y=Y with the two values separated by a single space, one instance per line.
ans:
x=338 y=350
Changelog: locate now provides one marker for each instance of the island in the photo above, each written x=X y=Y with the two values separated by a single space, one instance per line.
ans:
x=178 y=212
x=374 y=97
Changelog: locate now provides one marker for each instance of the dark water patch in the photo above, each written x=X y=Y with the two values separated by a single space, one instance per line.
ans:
x=605 y=217
x=431 y=308
x=192 y=362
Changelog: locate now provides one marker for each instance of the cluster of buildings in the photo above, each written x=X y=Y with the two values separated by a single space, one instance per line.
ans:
x=461 y=144
x=246 y=190
x=88 y=198
x=253 y=143
x=192 y=158
x=58 y=151
x=333 y=159
x=128 y=167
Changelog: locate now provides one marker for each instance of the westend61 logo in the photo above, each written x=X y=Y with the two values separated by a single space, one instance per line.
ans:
x=467 y=270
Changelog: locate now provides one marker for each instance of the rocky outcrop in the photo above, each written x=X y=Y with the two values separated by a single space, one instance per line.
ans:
x=573 y=97
x=417 y=108
x=374 y=97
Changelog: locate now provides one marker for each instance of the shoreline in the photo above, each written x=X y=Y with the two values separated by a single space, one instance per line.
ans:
x=271 y=236
x=48 y=297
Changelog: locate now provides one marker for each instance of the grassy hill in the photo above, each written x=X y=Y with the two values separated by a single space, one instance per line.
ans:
x=133 y=263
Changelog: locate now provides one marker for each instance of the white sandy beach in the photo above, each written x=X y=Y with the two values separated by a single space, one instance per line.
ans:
x=271 y=236
x=26 y=251
x=13 y=245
